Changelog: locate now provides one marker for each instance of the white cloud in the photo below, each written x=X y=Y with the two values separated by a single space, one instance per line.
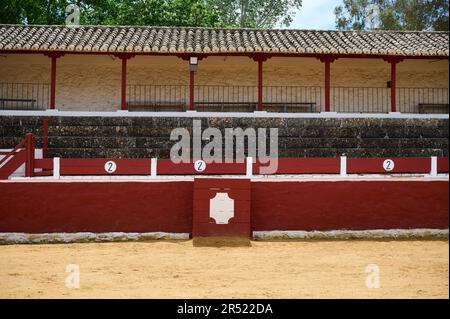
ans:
x=316 y=14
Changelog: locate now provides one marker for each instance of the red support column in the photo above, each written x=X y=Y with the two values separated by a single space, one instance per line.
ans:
x=29 y=163
x=123 y=101
x=393 y=62
x=53 y=82
x=260 y=85
x=53 y=56
x=123 y=87
x=260 y=59
x=327 y=86
x=191 y=90
x=327 y=60
x=44 y=137
x=393 y=86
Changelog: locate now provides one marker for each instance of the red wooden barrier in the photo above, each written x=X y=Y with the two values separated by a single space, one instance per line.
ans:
x=321 y=204
x=44 y=167
x=205 y=190
x=44 y=137
x=95 y=206
x=9 y=167
x=398 y=165
x=355 y=204
x=442 y=163
x=43 y=163
x=167 y=167
x=142 y=166
x=307 y=165
x=100 y=166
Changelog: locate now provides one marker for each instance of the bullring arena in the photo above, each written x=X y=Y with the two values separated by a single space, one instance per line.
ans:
x=94 y=205
x=282 y=269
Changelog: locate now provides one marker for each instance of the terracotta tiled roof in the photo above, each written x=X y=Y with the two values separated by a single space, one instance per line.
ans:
x=116 y=39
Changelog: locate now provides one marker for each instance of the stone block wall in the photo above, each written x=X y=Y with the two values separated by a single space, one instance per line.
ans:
x=141 y=137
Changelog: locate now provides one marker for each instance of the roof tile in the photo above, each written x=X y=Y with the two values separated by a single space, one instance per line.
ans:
x=113 y=39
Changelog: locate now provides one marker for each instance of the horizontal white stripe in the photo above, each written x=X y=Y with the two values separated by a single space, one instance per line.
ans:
x=254 y=178
x=193 y=114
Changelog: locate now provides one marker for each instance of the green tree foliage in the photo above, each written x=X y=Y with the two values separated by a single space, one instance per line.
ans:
x=393 y=15
x=32 y=11
x=150 y=12
x=206 y=13
x=256 y=13
x=112 y=12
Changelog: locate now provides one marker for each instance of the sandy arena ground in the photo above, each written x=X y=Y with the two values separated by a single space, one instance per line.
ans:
x=163 y=269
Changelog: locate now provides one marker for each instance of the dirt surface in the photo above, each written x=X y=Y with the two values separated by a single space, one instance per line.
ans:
x=314 y=269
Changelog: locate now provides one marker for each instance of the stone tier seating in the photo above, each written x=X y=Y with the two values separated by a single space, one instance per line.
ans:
x=142 y=137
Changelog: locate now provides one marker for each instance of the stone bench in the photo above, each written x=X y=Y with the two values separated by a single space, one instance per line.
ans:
x=225 y=106
x=4 y=100
x=435 y=107
x=285 y=107
x=156 y=106
x=290 y=107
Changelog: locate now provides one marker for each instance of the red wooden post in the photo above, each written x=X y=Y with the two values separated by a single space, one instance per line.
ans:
x=53 y=82
x=327 y=85
x=260 y=85
x=29 y=163
x=327 y=60
x=393 y=62
x=260 y=59
x=393 y=86
x=123 y=102
x=44 y=138
x=191 y=90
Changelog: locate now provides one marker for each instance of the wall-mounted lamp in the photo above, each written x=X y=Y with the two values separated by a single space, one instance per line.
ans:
x=193 y=63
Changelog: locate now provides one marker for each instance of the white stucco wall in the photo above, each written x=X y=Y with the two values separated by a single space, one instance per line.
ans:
x=92 y=82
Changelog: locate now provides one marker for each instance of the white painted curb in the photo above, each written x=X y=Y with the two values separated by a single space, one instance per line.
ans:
x=46 y=238
x=353 y=234
x=86 y=237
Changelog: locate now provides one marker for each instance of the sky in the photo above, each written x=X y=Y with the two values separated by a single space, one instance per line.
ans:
x=316 y=14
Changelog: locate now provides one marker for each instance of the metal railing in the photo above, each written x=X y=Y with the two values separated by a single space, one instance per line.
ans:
x=293 y=98
x=285 y=99
x=360 y=99
x=143 y=97
x=221 y=98
x=422 y=100
x=24 y=96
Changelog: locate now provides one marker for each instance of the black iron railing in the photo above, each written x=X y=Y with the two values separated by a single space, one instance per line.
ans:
x=226 y=98
x=142 y=97
x=24 y=96
x=293 y=98
x=36 y=96
x=422 y=100
x=286 y=99
x=360 y=99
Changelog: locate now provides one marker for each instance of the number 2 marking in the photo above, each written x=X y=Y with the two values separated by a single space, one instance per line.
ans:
x=110 y=167
x=199 y=166
x=388 y=165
